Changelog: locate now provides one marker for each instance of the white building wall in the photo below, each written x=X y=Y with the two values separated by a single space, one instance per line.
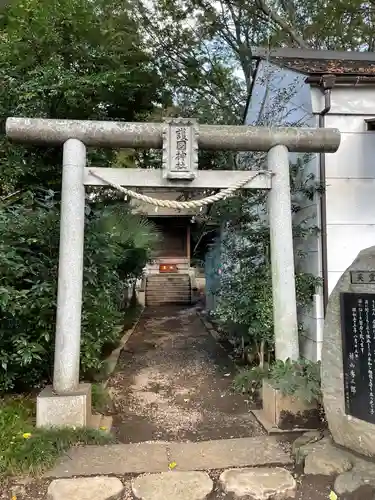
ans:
x=280 y=97
x=350 y=180
x=350 y=177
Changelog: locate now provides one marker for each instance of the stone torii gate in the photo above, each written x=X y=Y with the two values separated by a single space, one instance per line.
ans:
x=68 y=402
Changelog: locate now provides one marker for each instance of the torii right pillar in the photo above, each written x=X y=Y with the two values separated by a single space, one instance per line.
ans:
x=282 y=257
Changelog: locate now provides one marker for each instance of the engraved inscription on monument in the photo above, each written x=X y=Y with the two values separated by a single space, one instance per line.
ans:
x=358 y=343
x=180 y=149
x=362 y=277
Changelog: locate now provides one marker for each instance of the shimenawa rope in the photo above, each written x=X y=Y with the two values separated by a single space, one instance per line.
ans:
x=223 y=194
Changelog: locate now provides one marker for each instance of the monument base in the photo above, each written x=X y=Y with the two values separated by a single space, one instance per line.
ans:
x=288 y=412
x=273 y=429
x=67 y=410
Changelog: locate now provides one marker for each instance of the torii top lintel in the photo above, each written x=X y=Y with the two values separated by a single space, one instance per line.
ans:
x=140 y=135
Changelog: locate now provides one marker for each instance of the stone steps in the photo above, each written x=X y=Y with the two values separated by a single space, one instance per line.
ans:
x=168 y=294
x=168 y=289
x=171 y=300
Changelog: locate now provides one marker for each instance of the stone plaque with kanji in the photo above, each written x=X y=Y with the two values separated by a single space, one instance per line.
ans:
x=358 y=342
x=180 y=149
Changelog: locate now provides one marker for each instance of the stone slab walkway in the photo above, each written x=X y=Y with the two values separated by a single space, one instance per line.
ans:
x=257 y=483
x=174 y=485
x=173 y=383
x=227 y=485
x=121 y=459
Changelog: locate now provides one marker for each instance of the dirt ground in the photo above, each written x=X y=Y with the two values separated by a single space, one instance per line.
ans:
x=173 y=383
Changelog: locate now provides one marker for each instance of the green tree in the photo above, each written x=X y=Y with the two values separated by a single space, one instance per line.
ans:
x=195 y=36
x=77 y=59
x=117 y=246
x=72 y=59
x=206 y=48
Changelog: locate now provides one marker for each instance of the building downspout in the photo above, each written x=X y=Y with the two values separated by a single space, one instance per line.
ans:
x=327 y=83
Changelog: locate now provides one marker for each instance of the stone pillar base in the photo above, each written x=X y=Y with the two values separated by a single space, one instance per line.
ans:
x=67 y=410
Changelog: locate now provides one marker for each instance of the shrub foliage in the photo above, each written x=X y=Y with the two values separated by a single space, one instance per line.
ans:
x=29 y=245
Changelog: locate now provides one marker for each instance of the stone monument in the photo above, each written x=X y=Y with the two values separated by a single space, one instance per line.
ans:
x=348 y=357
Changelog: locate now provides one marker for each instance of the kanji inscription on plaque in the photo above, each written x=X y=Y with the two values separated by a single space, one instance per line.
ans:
x=358 y=342
x=362 y=277
x=180 y=149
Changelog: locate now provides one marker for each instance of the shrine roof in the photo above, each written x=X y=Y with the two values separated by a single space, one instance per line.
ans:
x=332 y=66
x=320 y=62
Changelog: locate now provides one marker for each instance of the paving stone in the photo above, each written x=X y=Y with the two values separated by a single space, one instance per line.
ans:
x=327 y=461
x=259 y=483
x=348 y=482
x=112 y=459
x=305 y=439
x=225 y=453
x=315 y=445
x=173 y=485
x=153 y=457
x=362 y=474
x=86 y=488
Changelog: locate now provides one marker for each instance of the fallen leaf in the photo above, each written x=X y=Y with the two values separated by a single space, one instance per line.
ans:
x=172 y=465
x=333 y=496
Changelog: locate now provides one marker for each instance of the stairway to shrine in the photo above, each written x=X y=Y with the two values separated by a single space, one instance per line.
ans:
x=168 y=289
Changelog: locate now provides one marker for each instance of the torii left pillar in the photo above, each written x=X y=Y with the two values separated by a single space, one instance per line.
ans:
x=68 y=402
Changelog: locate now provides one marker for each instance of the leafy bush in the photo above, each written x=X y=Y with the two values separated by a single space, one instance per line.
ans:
x=299 y=378
x=100 y=398
x=27 y=450
x=244 y=302
x=81 y=60
x=115 y=241
x=249 y=381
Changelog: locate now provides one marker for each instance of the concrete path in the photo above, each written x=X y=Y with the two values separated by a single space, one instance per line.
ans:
x=173 y=382
x=120 y=459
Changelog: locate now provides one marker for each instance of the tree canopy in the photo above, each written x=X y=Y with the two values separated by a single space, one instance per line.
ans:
x=74 y=59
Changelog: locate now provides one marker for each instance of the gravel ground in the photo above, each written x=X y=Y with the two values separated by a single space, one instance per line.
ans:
x=173 y=383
